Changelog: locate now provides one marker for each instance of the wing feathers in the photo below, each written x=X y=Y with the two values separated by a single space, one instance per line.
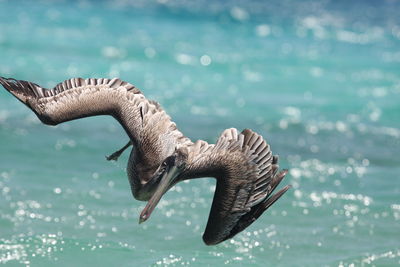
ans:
x=77 y=98
x=250 y=152
x=36 y=91
x=246 y=176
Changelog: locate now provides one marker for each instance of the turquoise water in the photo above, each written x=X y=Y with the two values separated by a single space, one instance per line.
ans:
x=320 y=80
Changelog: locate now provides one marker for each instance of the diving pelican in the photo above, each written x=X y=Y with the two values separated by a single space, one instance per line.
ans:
x=241 y=162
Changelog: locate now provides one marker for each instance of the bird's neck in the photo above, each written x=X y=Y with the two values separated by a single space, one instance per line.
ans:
x=201 y=169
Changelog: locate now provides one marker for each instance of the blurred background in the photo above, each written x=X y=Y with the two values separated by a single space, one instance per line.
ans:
x=320 y=80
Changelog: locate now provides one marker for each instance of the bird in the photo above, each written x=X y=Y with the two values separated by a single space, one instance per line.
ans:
x=242 y=163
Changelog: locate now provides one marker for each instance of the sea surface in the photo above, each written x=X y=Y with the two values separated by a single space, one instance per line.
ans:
x=320 y=80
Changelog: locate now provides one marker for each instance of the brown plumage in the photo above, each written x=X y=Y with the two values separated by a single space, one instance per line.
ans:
x=242 y=162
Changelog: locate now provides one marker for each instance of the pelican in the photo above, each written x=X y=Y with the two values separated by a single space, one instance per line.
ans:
x=241 y=162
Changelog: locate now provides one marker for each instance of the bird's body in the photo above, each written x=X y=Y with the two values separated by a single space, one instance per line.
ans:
x=162 y=156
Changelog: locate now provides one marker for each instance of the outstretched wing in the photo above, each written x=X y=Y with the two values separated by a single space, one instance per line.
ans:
x=246 y=173
x=146 y=123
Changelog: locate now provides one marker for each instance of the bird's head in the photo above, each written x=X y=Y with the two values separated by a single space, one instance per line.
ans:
x=167 y=174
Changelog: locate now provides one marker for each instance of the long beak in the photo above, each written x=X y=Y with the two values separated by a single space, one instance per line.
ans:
x=165 y=183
